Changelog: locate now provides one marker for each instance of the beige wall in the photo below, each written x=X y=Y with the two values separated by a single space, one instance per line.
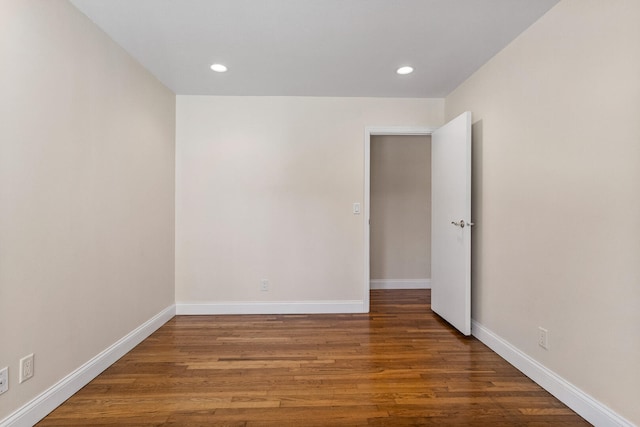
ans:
x=400 y=207
x=86 y=193
x=264 y=190
x=557 y=195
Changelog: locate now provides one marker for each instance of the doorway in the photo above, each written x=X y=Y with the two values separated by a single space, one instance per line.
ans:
x=400 y=196
x=450 y=217
x=369 y=133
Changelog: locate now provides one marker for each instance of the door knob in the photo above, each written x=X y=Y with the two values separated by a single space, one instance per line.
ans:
x=462 y=223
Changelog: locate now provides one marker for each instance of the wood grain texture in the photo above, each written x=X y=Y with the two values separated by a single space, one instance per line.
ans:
x=400 y=365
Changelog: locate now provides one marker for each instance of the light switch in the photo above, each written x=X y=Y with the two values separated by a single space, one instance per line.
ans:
x=356 y=208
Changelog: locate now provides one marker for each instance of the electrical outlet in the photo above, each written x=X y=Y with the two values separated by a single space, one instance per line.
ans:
x=264 y=285
x=4 y=379
x=543 y=338
x=26 y=368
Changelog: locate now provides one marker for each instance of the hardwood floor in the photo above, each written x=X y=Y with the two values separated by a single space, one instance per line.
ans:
x=400 y=365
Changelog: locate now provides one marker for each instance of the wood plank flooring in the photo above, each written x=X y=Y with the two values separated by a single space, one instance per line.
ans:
x=400 y=365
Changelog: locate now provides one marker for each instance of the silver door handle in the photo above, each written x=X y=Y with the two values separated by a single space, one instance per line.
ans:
x=461 y=223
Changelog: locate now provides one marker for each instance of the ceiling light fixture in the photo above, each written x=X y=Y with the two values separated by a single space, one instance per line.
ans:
x=405 y=70
x=218 y=68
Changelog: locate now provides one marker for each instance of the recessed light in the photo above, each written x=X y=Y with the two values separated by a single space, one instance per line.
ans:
x=218 y=68
x=405 y=70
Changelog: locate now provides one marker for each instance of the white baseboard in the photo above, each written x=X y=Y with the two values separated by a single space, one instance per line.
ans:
x=260 y=307
x=47 y=401
x=586 y=406
x=400 y=284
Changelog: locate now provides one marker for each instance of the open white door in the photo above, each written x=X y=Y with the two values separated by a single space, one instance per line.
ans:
x=451 y=222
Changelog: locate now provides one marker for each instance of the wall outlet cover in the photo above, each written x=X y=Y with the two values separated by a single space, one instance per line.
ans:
x=4 y=379
x=26 y=368
x=543 y=338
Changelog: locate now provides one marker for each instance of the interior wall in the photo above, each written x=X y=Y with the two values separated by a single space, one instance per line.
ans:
x=555 y=197
x=265 y=190
x=86 y=193
x=400 y=207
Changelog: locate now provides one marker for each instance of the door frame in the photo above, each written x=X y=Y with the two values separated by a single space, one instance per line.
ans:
x=370 y=131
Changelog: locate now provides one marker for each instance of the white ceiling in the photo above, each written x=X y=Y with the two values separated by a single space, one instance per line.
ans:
x=313 y=47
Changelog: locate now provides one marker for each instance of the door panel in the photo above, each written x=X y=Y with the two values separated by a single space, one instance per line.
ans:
x=451 y=222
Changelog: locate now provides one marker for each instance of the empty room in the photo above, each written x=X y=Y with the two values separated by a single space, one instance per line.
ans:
x=319 y=212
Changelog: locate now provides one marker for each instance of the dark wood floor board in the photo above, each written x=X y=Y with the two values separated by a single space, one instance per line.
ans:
x=399 y=365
